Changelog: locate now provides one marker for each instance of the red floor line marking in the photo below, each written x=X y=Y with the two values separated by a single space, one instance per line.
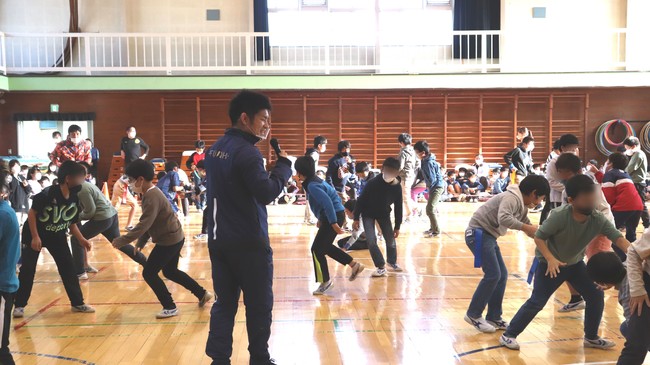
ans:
x=30 y=318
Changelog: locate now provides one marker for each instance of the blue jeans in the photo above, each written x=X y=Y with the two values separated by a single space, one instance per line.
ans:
x=544 y=287
x=637 y=335
x=371 y=238
x=492 y=287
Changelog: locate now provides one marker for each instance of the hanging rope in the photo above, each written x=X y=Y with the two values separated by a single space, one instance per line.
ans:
x=603 y=139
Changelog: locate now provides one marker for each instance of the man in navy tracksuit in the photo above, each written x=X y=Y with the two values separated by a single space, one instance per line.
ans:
x=239 y=188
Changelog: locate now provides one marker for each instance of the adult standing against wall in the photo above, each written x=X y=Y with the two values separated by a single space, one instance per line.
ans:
x=638 y=170
x=133 y=147
x=74 y=148
x=409 y=164
x=239 y=188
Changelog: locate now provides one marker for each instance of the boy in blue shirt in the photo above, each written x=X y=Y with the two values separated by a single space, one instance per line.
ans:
x=502 y=181
x=170 y=183
x=9 y=255
x=327 y=207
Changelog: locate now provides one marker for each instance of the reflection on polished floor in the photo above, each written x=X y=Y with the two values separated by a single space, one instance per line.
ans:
x=415 y=317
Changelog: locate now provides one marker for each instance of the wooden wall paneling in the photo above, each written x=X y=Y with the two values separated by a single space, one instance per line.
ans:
x=532 y=113
x=497 y=127
x=358 y=127
x=551 y=137
x=198 y=117
x=428 y=123
x=393 y=118
x=374 y=132
x=462 y=129
x=179 y=127
x=585 y=150
x=162 y=123
x=305 y=138
x=568 y=117
x=445 y=130
x=480 y=124
x=214 y=119
x=287 y=125
x=323 y=115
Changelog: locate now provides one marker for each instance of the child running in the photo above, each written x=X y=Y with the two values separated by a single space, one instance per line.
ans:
x=327 y=207
x=374 y=205
x=561 y=244
x=508 y=210
x=159 y=221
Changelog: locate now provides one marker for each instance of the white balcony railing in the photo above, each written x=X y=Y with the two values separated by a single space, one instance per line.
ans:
x=249 y=53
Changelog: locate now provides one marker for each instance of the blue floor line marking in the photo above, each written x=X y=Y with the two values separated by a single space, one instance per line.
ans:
x=56 y=357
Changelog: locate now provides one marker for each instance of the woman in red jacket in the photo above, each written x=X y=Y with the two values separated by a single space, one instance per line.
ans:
x=619 y=192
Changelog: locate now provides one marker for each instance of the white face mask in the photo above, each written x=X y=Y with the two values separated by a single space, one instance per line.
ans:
x=629 y=152
x=38 y=176
x=75 y=140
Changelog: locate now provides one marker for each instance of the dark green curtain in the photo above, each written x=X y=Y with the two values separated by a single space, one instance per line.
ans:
x=261 y=24
x=476 y=15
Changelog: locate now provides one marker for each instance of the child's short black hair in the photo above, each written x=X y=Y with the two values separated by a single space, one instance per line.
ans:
x=579 y=184
x=74 y=128
x=462 y=169
x=527 y=140
x=13 y=163
x=85 y=166
x=536 y=165
x=71 y=169
x=362 y=166
x=350 y=205
x=556 y=144
x=305 y=166
x=160 y=175
x=606 y=268
x=4 y=179
x=567 y=140
x=451 y=173
x=535 y=183
x=32 y=170
x=391 y=163
x=319 y=140
x=504 y=168
x=470 y=174
x=343 y=145
x=200 y=165
x=422 y=146
x=569 y=162
x=140 y=168
x=44 y=178
x=56 y=134
x=405 y=138
x=631 y=142
x=199 y=144
x=618 y=160
x=170 y=165
x=248 y=102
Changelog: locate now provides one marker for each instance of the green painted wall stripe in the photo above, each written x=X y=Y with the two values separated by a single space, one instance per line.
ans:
x=4 y=83
x=328 y=82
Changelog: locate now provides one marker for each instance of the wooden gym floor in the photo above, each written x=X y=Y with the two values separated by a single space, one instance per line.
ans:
x=415 y=317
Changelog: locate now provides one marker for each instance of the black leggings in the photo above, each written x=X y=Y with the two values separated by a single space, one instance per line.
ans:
x=324 y=246
x=6 y=306
x=165 y=258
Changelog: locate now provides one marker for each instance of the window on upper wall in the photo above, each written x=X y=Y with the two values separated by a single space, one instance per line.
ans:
x=360 y=22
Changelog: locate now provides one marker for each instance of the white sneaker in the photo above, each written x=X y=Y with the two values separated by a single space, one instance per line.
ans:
x=500 y=324
x=395 y=267
x=599 y=343
x=571 y=307
x=206 y=298
x=323 y=287
x=84 y=308
x=356 y=270
x=19 y=312
x=167 y=313
x=201 y=236
x=83 y=276
x=379 y=273
x=480 y=324
x=509 y=342
x=91 y=270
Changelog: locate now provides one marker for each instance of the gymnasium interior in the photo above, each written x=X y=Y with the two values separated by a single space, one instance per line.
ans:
x=466 y=76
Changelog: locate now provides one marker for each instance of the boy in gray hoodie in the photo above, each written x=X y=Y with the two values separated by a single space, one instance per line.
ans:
x=508 y=210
